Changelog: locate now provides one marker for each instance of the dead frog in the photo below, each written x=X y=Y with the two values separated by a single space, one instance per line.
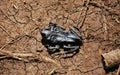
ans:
x=54 y=37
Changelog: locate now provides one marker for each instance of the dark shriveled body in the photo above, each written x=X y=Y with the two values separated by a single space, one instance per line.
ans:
x=55 y=37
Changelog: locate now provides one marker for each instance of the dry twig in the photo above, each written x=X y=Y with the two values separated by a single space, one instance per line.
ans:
x=118 y=72
x=27 y=57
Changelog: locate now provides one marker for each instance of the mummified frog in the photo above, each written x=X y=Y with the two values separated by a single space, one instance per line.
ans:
x=55 y=37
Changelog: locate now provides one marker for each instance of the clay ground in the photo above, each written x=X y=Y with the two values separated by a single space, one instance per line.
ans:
x=22 y=20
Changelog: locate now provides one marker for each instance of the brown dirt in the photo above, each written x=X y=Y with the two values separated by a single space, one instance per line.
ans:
x=100 y=31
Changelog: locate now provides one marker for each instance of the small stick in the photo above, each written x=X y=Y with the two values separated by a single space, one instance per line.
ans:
x=19 y=38
x=3 y=28
x=12 y=41
x=118 y=72
x=6 y=15
x=85 y=4
x=24 y=57
x=84 y=18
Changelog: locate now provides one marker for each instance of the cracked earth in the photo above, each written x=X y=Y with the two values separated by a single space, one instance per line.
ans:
x=22 y=20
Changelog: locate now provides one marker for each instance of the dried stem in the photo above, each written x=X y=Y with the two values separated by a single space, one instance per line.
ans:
x=27 y=57
x=118 y=72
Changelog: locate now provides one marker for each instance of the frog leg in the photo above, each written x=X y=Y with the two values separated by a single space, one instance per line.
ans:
x=70 y=49
x=53 y=49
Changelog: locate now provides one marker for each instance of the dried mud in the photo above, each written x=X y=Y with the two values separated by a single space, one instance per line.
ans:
x=22 y=20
